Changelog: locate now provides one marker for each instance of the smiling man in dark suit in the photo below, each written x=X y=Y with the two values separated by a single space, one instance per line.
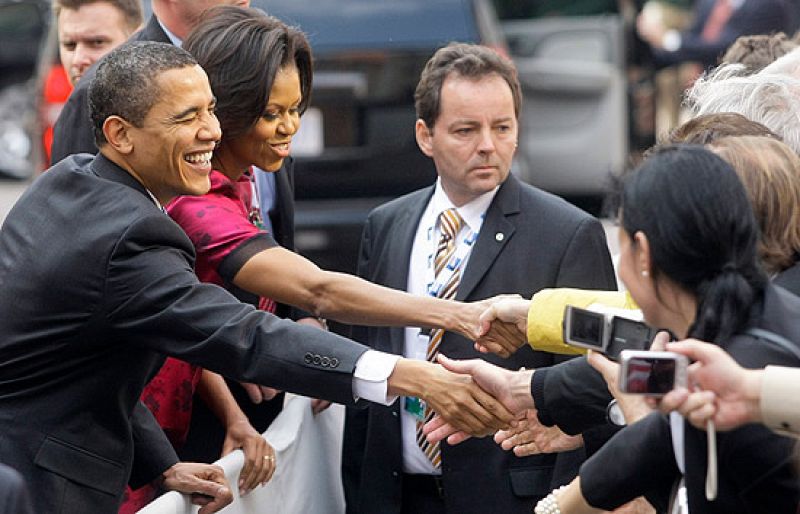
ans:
x=98 y=286
x=171 y=22
x=476 y=233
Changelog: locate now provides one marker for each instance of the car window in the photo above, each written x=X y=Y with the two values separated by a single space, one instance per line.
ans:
x=528 y=9
x=351 y=24
x=21 y=28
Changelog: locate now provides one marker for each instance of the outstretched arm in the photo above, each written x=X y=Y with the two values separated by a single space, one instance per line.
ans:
x=347 y=298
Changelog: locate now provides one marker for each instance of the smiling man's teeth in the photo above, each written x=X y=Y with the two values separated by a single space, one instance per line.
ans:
x=199 y=158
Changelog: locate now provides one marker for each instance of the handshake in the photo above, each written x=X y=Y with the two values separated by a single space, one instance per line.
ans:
x=473 y=397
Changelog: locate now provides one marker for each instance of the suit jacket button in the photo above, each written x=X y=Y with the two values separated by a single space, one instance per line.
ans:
x=326 y=361
x=334 y=362
x=395 y=474
x=317 y=359
x=307 y=358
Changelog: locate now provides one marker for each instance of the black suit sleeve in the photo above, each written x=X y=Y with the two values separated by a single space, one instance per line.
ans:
x=73 y=132
x=572 y=395
x=155 y=300
x=152 y=452
x=637 y=461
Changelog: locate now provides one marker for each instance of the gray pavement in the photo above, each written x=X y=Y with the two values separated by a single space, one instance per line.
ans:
x=10 y=190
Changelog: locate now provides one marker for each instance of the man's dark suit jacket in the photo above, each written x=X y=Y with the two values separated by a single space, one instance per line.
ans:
x=98 y=286
x=753 y=17
x=529 y=240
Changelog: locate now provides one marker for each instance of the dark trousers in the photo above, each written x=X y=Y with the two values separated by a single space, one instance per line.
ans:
x=422 y=494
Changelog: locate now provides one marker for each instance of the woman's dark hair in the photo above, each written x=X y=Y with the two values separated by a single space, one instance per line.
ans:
x=242 y=50
x=702 y=233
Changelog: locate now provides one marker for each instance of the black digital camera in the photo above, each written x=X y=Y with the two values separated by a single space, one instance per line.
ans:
x=609 y=331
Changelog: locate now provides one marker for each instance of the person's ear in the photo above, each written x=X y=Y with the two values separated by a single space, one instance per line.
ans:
x=424 y=137
x=117 y=131
x=644 y=262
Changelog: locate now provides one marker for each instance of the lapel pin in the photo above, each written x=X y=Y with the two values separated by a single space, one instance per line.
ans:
x=499 y=236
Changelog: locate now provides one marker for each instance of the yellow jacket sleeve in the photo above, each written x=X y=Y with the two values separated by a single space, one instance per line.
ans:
x=546 y=313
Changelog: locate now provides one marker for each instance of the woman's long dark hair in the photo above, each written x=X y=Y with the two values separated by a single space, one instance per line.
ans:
x=702 y=233
x=241 y=50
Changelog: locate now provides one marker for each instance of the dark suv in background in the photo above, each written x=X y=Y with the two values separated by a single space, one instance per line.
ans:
x=356 y=146
x=23 y=24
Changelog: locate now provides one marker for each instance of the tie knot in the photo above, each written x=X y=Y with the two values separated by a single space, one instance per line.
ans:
x=450 y=223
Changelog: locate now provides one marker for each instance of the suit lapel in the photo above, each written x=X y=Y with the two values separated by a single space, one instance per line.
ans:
x=495 y=233
x=406 y=223
x=152 y=32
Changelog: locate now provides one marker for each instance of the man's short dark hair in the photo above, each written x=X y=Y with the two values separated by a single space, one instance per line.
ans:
x=758 y=51
x=464 y=60
x=242 y=50
x=707 y=128
x=125 y=83
x=131 y=9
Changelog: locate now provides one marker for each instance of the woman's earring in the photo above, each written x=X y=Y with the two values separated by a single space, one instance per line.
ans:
x=645 y=273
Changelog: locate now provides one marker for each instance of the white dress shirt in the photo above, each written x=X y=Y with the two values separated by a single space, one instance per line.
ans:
x=416 y=344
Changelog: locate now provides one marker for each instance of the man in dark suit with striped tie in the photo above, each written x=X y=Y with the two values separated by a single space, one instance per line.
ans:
x=477 y=232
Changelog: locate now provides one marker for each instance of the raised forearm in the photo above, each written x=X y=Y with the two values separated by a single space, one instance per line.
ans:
x=347 y=298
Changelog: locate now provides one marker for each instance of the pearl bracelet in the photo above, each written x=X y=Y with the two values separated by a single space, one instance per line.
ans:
x=549 y=504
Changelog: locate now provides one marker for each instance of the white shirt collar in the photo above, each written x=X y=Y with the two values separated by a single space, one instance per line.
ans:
x=155 y=200
x=172 y=37
x=471 y=212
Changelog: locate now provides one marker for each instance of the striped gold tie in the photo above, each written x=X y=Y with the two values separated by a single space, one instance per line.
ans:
x=449 y=227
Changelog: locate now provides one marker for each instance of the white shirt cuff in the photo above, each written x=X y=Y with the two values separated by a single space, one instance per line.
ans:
x=371 y=377
x=671 y=40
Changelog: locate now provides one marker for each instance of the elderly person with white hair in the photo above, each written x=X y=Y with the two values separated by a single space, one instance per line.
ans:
x=770 y=97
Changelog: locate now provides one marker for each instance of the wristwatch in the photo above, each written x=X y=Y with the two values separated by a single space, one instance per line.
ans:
x=614 y=414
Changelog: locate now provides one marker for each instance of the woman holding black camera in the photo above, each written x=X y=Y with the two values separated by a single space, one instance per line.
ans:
x=688 y=243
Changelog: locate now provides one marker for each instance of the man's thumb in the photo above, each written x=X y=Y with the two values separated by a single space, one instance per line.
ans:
x=461 y=367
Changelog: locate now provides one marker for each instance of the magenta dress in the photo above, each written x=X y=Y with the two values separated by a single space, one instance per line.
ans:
x=226 y=229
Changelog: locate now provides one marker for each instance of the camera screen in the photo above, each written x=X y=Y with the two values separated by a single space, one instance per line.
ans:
x=628 y=334
x=649 y=375
x=587 y=327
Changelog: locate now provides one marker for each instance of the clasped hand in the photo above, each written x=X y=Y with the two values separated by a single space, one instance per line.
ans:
x=503 y=325
x=503 y=394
